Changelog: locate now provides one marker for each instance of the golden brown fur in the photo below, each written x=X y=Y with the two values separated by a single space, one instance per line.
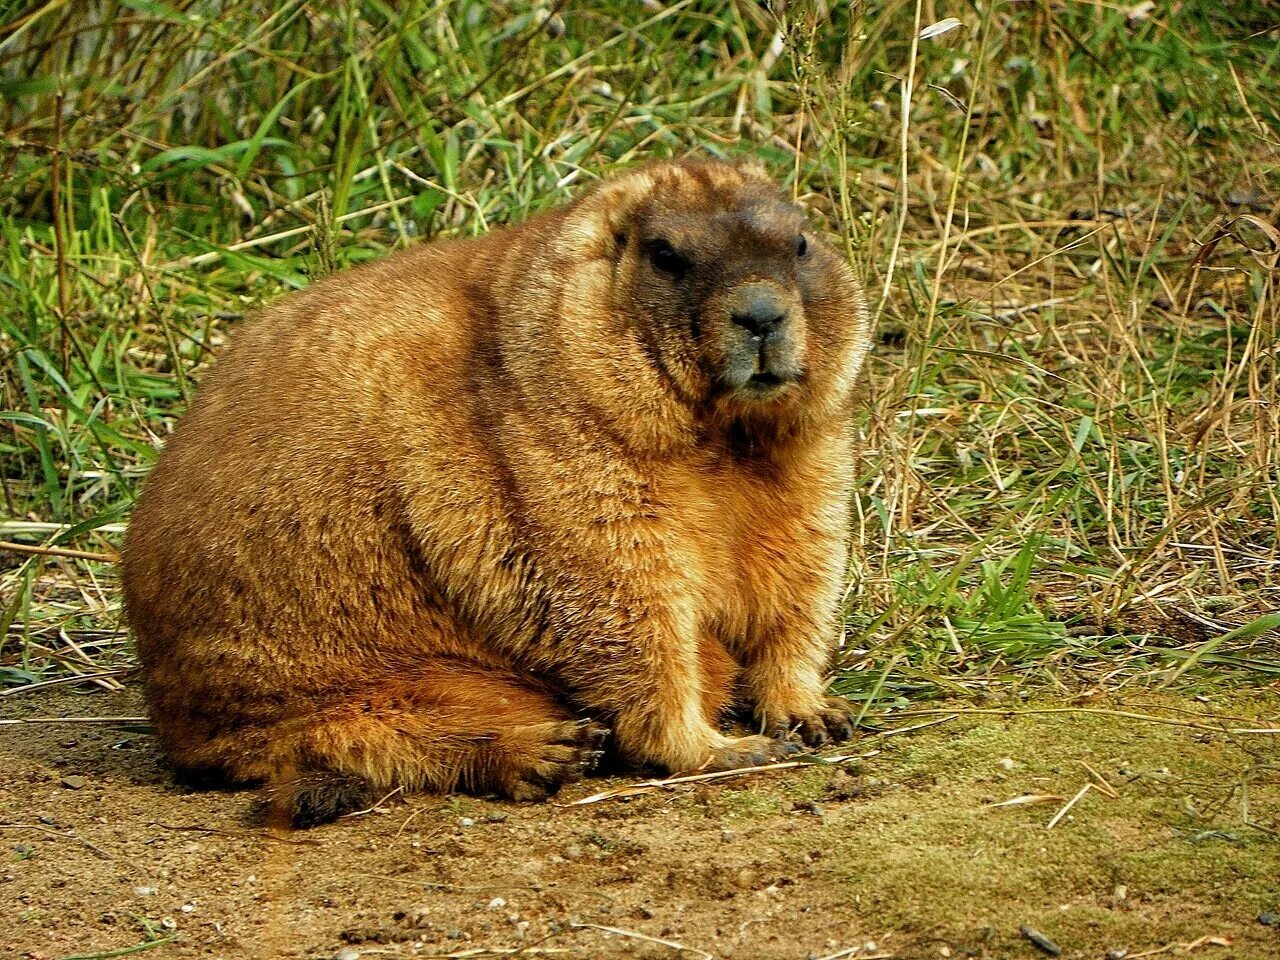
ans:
x=428 y=515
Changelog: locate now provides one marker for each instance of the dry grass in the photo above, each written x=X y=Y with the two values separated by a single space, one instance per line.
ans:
x=1071 y=431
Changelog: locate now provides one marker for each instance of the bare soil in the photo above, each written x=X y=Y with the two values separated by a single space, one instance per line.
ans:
x=902 y=854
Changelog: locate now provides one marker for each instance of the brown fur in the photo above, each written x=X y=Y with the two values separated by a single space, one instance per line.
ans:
x=428 y=515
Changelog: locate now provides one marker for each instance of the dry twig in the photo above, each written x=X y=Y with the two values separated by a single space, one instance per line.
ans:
x=634 y=935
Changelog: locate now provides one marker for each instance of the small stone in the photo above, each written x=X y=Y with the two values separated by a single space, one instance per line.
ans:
x=726 y=835
x=144 y=891
x=497 y=903
x=454 y=934
x=1006 y=764
x=187 y=907
x=1117 y=954
x=74 y=781
x=467 y=822
x=168 y=923
x=347 y=953
x=944 y=951
x=1269 y=919
x=745 y=878
x=1120 y=893
x=572 y=852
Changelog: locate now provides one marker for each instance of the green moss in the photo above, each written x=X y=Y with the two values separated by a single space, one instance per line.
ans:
x=745 y=805
x=924 y=850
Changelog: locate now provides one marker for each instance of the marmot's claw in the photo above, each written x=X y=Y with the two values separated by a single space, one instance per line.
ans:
x=597 y=735
x=829 y=724
x=838 y=722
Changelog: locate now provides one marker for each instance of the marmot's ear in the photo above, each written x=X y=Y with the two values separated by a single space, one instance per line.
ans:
x=609 y=212
x=621 y=199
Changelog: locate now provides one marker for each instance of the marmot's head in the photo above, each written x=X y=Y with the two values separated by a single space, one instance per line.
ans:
x=735 y=300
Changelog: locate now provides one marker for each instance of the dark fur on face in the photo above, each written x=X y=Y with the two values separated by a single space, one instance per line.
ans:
x=726 y=280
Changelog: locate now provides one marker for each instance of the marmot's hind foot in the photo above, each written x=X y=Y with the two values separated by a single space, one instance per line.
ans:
x=551 y=755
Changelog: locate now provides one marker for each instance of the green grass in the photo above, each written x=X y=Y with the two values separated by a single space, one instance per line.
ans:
x=1071 y=431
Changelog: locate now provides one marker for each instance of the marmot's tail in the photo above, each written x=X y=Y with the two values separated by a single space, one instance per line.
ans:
x=449 y=727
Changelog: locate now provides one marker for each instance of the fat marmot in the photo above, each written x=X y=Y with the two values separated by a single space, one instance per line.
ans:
x=430 y=515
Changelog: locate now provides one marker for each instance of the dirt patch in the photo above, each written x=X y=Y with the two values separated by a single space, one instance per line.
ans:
x=901 y=855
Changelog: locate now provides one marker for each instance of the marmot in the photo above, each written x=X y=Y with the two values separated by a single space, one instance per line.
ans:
x=447 y=520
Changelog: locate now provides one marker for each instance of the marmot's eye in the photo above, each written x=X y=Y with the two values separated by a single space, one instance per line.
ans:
x=664 y=258
x=802 y=246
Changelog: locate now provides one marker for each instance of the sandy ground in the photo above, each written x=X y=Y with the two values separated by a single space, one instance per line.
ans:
x=901 y=854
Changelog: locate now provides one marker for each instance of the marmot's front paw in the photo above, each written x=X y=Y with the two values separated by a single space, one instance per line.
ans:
x=748 y=752
x=829 y=723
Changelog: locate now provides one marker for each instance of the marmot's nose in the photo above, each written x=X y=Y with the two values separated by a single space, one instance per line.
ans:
x=758 y=309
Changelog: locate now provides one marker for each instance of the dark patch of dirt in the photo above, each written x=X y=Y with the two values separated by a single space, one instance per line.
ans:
x=101 y=851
